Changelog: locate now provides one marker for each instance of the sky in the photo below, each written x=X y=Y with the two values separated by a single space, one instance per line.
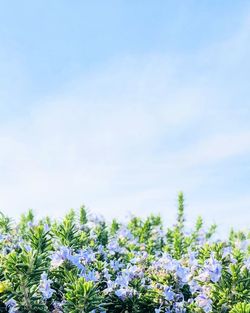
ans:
x=119 y=105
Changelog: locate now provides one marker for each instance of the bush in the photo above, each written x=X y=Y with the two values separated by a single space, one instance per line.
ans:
x=82 y=264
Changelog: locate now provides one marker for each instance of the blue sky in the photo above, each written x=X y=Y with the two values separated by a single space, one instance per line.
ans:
x=121 y=104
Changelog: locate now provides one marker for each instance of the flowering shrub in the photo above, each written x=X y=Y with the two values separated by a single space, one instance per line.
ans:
x=82 y=264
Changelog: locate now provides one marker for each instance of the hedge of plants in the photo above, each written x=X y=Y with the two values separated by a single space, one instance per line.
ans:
x=84 y=264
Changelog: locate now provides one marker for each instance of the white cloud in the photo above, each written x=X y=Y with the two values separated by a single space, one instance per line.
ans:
x=215 y=149
x=128 y=137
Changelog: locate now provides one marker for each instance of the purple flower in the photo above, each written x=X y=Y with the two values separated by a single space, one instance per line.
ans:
x=204 y=302
x=194 y=286
x=226 y=252
x=114 y=247
x=91 y=276
x=46 y=228
x=44 y=286
x=169 y=294
x=122 y=280
x=212 y=271
x=116 y=265
x=182 y=273
x=247 y=263
x=60 y=256
x=121 y=293
x=11 y=306
x=214 y=268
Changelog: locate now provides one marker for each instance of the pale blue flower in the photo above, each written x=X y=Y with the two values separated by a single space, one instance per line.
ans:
x=11 y=306
x=44 y=286
x=169 y=294
x=204 y=302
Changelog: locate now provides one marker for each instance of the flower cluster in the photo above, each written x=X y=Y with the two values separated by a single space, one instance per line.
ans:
x=83 y=264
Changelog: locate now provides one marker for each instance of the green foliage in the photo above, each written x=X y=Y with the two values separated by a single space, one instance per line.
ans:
x=82 y=297
x=5 y=224
x=83 y=215
x=23 y=271
x=83 y=264
x=242 y=307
